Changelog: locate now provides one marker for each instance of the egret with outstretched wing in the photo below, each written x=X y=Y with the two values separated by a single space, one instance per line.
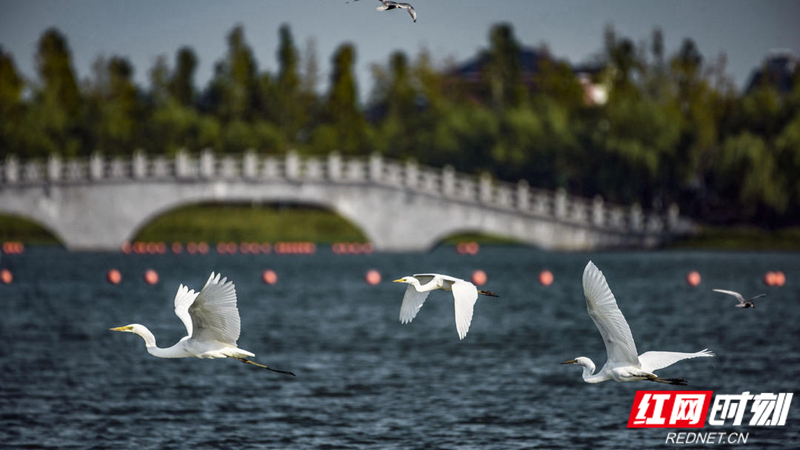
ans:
x=420 y=285
x=623 y=364
x=212 y=325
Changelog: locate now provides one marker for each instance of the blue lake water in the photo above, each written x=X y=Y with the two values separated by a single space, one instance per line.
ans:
x=363 y=379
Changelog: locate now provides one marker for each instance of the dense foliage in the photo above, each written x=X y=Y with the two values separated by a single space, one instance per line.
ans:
x=672 y=129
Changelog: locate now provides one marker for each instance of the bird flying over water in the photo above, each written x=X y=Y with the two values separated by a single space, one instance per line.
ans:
x=465 y=294
x=212 y=325
x=742 y=302
x=623 y=364
x=388 y=5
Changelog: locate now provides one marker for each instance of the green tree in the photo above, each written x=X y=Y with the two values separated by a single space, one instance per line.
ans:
x=181 y=86
x=504 y=72
x=11 y=106
x=120 y=109
x=55 y=119
x=342 y=126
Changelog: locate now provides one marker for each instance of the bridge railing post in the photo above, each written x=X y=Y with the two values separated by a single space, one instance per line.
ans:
x=598 y=211
x=207 y=164
x=376 y=168
x=182 y=164
x=334 y=166
x=411 y=175
x=139 y=165
x=54 y=167
x=448 y=181
x=292 y=165
x=673 y=217
x=635 y=217
x=560 y=203
x=11 y=169
x=523 y=195
x=485 y=188
x=96 y=166
x=250 y=164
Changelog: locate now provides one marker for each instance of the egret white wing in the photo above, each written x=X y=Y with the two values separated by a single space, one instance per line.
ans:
x=412 y=302
x=603 y=310
x=735 y=294
x=464 y=294
x=215 y=316
x=652 y=361
x=183 y=300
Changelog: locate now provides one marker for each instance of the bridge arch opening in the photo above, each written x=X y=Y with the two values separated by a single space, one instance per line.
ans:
x=255 y=222
x=24 y=229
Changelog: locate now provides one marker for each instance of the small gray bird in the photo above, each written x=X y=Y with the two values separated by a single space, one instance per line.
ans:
x=387 y=5
x=742 y=302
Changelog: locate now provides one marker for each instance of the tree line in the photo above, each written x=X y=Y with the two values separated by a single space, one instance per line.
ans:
x=673 y=128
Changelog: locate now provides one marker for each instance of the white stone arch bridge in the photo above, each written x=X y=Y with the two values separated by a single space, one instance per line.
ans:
x=98 y=203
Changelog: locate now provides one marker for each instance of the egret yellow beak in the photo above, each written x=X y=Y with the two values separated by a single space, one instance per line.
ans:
x=125 y=328
x=400 y=280
x=571 y=361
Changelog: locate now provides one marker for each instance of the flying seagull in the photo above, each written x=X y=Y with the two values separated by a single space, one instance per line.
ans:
x=742 y=302
x=420 y=285
x=387 y=5
x=623 y=364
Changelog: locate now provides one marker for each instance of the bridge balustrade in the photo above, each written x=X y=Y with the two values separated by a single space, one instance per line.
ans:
x=334 y=168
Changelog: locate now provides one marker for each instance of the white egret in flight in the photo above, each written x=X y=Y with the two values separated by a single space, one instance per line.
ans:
x=212 y=325
x=420 y=285
x=742 y=302
x=623 y=364
x=389 y=5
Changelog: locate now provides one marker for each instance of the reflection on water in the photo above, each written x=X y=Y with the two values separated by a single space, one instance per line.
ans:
x=363 y=379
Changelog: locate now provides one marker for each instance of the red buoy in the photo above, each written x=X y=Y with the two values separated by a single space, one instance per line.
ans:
x=373 y=277
x=693 y=278
x=113 y=276
x=6 y=277
x=479 y=278
x=150 y=276
x=546 y=277
x=780 y=278
x=269 y=276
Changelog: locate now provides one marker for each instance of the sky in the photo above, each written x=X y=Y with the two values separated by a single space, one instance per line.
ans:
x=142 y=30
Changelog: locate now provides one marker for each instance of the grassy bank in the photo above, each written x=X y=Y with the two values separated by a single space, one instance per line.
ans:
x=742 y=238
x=218 y=223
